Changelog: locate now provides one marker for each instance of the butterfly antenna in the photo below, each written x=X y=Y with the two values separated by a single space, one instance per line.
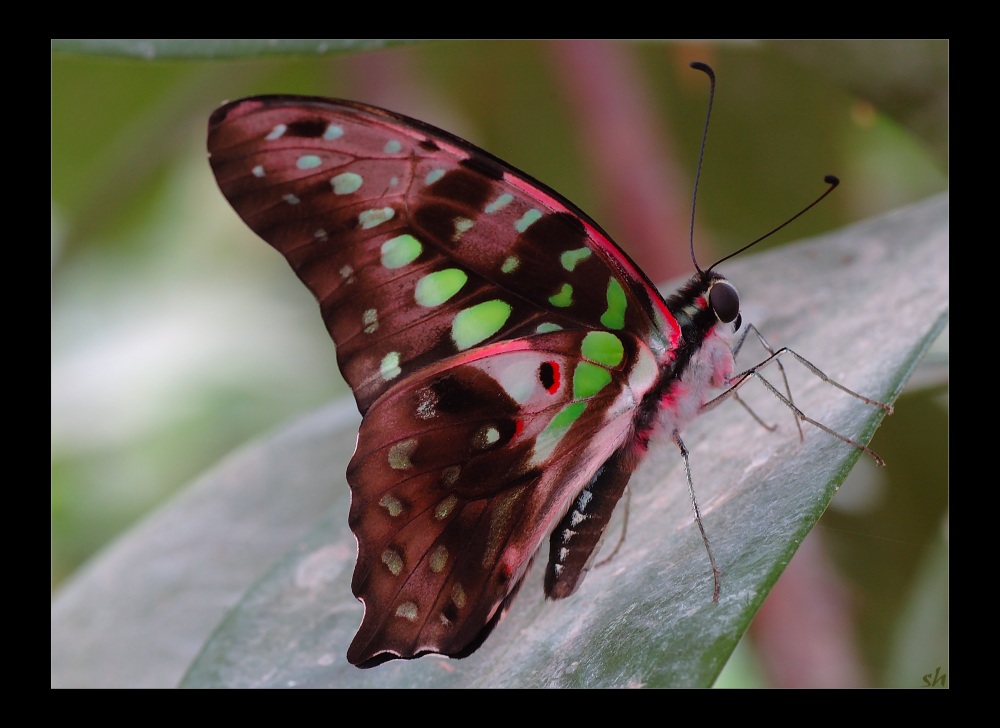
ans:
x=705 y=68
x=829 y=179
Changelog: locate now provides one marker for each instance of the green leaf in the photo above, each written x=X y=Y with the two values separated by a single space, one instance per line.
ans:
x=244 y=580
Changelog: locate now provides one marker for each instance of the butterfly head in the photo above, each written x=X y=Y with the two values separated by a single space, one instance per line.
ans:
x=706 y=301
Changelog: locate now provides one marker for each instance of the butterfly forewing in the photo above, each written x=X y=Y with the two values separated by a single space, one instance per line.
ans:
x=417 y=244
x=497 y=342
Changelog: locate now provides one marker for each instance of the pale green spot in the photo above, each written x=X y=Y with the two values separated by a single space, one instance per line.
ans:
x=389 y=368
x=392 y=504
x=258 y=171
x=320 y=234
x=400 y=453
x=371 y=218
x=308 y=161
x=527 y=219
x=290 y=199
x=478 y=323
x=433 y=176
x=549 y=438
x=501 y=516
x=445 y=508
x=458 y=595
x=276 y=132
x=462 y=225
x=370 y=319
x=439 y=559
x=392 y=146
x=499 y=203
x=565 y=419
x=346 y=183
x=346 y=272
x=603 y=347
x=393 y=561
x=436 y=288
x=333 y=131
x=485 y=437
x=614 y=317
x=510 y=265
x=400 y=250
x=408 y=611
x=564 y=298
x=589 y=379
x=570 y=258
x=547 y=328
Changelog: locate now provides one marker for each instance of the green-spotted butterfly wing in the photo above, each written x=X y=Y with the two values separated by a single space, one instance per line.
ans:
x=509 y=360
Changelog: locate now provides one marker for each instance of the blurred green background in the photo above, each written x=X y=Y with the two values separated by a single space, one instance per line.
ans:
x=177 y=335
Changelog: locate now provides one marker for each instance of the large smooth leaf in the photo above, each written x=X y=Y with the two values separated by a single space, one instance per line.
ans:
x=259 y=550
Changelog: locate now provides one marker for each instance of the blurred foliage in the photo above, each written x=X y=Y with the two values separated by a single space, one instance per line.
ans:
x=176 y=335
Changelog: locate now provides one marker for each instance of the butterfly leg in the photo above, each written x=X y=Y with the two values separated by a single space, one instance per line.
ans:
x=738 y=380
x=788 y=390
x=716 y=574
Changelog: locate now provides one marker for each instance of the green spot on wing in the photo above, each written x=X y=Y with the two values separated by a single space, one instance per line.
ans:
x=527 y=219
x=400 y=454
x=346 y=183
x=478 y=323
x=400 y=250
x=603 y=348
x=614 y=317
x=393 y=505
x=562 y=421
x=370 y=218
x=499 y=203
x=510 y=265
x=389 y=367
x=571 y=258
x=462 y=225
x=589 y=379
x=552 y=435
x=307 y=161
x=436 y=288
x=564 y=298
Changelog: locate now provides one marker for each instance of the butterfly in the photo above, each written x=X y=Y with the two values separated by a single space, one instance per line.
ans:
x=510 y=361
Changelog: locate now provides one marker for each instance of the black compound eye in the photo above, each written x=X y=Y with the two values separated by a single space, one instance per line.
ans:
x=725 y=301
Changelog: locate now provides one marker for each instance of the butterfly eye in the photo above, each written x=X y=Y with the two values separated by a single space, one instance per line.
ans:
x=725 y=301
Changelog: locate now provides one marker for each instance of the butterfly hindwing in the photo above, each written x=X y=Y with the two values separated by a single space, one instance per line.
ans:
x=485 y=453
